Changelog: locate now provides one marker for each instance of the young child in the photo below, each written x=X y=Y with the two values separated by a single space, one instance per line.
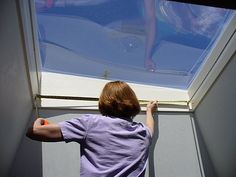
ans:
x=112 y=144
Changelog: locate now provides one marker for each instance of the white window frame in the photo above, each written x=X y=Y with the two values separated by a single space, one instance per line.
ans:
x=217 y=59
x=32 y=57
x=91 y=87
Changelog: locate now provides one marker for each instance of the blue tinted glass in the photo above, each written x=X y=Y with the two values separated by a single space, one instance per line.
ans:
x=142 y=41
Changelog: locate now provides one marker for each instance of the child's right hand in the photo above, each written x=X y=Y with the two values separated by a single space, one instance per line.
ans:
x=152 y=106
x=41 y=121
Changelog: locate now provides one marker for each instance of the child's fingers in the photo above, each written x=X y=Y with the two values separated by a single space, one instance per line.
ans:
x=40 y=121
x=154 y=102
x=45 y=122
x=152 y=105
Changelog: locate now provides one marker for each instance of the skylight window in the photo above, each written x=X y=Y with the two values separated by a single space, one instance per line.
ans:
x=160 y=43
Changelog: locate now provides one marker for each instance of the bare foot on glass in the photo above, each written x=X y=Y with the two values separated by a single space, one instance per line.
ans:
x=150 y=65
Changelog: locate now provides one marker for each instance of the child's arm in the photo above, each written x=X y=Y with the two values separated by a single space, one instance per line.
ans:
x=42 y=130
x=151 y=108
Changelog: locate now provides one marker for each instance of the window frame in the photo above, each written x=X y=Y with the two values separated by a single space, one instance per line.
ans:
x=215 y=63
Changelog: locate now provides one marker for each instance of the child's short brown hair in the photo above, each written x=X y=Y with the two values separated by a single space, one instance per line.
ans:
x=118 y=100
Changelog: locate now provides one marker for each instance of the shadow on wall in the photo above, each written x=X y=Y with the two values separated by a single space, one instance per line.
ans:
x=152 y=148
x=209 y=169
x=28 y=159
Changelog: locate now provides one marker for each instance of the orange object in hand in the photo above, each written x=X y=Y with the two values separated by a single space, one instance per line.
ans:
x=45 y=122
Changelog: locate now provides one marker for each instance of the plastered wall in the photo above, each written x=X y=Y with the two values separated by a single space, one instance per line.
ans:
x=15 y=90
x=216 y=123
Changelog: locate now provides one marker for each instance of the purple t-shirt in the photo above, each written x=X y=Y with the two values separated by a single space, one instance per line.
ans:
x=110 y=147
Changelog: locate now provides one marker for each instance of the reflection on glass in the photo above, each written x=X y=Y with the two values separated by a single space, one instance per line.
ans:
x=154 y=42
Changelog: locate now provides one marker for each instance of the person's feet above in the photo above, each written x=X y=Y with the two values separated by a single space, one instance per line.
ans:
x=150 y=65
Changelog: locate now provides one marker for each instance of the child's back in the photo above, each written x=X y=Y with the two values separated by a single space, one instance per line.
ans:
x=110 y=146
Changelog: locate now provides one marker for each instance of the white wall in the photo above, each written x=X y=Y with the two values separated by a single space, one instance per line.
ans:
x=15 y=94
x=216 y=122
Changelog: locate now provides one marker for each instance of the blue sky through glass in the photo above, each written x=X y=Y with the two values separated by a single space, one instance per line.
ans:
x=142 y=41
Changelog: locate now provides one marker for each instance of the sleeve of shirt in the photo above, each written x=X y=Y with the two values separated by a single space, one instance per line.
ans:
x=75 y=129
